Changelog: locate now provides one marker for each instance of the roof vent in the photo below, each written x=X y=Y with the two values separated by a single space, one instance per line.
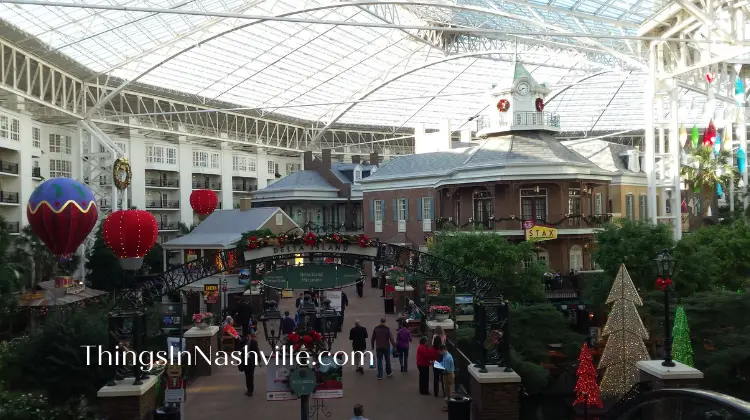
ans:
x=245 y=204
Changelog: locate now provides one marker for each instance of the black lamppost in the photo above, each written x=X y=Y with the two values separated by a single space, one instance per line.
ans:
x=329 y=318
x=665 y=266
x=271 y=320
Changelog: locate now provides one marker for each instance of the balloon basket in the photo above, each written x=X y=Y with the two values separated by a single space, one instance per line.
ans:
x=202 y=217
x=131 y=264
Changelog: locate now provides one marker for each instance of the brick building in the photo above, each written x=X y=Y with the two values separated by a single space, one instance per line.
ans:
x=513 y=172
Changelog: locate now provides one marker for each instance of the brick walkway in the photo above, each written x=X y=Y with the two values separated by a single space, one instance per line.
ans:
x=221 y=396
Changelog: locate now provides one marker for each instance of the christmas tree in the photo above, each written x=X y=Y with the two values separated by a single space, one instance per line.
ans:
x=625 y=332
x=682 y=350
x=587 y=390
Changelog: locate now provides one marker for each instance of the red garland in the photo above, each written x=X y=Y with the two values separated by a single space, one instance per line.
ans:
x=363 y=241
x=309 y=239
x=252 y=243
x=663 y=284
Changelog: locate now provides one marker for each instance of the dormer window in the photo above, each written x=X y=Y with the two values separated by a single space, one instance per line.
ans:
x=357 y=174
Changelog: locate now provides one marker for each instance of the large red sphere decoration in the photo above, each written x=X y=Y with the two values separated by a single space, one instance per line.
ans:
x=130 y=234
x=62 y=212
x=204 y=202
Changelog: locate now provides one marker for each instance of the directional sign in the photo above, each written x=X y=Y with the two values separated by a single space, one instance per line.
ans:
x=541 y=233
x=316 y=276
x=302 y=381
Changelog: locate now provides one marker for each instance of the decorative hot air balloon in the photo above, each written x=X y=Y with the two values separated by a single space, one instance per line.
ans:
x=130 y=234
x=62 y=212
x=203 y=202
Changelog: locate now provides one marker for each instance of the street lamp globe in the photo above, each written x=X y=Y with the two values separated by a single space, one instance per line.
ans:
x=665 y=264
x=329 y=322
x=271 y=320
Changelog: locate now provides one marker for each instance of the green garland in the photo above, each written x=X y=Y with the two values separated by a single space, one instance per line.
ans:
x=591 y=221
x=264 y=238
x=242 y=244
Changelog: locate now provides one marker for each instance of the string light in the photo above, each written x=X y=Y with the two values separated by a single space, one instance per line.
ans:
x=587 y=390
x=626 y=333
x=204 y=202
x=682 y=349
x=130 y=233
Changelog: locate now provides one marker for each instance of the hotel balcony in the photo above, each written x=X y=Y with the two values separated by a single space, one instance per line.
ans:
x=163 y=205
x=12 y=227
x=565 y=224
x=163 y=183
x=202 y=185
x=8 y=198
x=500 y=122
x=168 y=226
x=36 y=173
x=107 y=204
x=243 y=188
x=10 y=168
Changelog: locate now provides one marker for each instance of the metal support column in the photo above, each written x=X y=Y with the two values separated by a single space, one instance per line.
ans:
x=675 y=200
x=649 y=140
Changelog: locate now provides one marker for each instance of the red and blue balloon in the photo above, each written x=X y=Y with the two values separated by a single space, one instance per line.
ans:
x=62 y=212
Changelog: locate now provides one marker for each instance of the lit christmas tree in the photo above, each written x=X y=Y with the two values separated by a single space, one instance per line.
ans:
x=625 y=333
x=587 y=390
x=682 y=349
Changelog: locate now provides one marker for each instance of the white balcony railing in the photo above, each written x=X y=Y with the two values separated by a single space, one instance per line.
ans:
x=517 y=120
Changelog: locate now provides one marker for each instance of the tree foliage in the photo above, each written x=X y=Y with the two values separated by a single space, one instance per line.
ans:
x=493 y=257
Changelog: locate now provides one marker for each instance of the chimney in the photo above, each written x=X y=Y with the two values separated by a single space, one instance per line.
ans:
x=307 y=160
x=326 y=158
x=374 y=159
x=355 y=159
x=245 y=204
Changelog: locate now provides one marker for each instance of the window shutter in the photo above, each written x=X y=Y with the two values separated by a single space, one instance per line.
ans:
x=395 y=210
x=420 y=204
x=323 y=217
x=432 y=208
x=406 y=209
x=372 y=210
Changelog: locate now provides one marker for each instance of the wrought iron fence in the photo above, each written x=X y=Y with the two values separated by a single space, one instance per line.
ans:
x=8 y=167
x=168 y=183
x=462 y=363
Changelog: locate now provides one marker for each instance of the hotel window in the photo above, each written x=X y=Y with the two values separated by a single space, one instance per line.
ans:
x=642 y=206
x=357 y=175
x=427 y=208
x=215 y=159
x=15 y=129
x=149 y=154
x=457 y=212
x=239 y=163
x=379 y=210
x=4 y=121
x=171 y=156
x=483 y=207
x=574 y=201
x=630 y=207
x=576 y=258
x=251 y=164
x=534 y=204
x=271 y=167
x=60 y=168
x=200 y=159
x=402 y=209
x=123 y=147
x=598 y=200
x=292 y=168
x=158 y=154
x=68 y=142
x=54 y=142
x=36 y=137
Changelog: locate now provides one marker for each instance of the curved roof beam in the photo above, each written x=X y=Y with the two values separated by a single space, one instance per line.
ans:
x=117 y=90
x=581 y=80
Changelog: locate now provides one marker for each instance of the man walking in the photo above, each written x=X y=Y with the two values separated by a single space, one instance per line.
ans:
x=249 y=360
x=287 y=324
x=449 y=375
x=381 y=342
x=358 y=336
x=359 y=412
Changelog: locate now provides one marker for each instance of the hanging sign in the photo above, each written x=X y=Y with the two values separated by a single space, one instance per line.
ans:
x=171 y=315
x=211 y=293
x=315 y=276
x=294 y=250
x=540 y=233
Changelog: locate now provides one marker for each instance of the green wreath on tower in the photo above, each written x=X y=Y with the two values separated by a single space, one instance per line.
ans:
x=121 y=173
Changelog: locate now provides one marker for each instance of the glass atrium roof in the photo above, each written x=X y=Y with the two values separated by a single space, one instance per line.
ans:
x=373 y=63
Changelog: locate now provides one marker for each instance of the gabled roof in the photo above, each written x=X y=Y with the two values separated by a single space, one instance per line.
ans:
x=604 y=154
x=300 y=180
x=339 y=169
x=223 y=228
x=522 y=149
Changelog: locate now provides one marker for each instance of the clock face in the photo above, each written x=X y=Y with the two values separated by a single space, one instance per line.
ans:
x=523 y=88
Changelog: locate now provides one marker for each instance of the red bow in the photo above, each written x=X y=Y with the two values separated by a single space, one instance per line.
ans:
x=663 y=284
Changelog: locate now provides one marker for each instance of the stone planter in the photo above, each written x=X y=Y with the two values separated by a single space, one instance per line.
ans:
x=441 y=317
x=202 y=325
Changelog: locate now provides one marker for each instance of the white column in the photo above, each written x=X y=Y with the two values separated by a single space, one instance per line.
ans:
x=650 y=146
x=185 y=163
x=138 y=165
x=674 y=157
x=226 y=177
x=262 y=169
x=25 y=165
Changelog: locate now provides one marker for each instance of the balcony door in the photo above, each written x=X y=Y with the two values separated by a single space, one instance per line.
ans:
x=483 y=208
x=206 y=182
x=164 y=180
x=534 y=204
x=574 y=207
x=164 y=201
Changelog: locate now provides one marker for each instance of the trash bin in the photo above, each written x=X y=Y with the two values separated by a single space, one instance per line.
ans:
x=374 y=282
x=167 y=413
x=459 y=407
x=390 y=306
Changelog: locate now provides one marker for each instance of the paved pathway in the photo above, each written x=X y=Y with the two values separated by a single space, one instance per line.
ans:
x=222 y=394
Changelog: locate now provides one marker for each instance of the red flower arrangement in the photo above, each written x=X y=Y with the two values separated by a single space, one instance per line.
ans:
x=310 y=239
x=363 y=241
x=662 y=283
x=306 y=339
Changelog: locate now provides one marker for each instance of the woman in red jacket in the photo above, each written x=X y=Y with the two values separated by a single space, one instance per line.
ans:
x=423 y=365
x=434 y=355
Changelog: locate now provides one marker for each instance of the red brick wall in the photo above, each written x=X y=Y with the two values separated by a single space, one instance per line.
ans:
x=414 y=234
x=495 y=401
x=130 y=408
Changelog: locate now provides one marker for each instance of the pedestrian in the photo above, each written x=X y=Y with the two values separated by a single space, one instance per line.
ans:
x=358 y=336
x=249 y=362
x=344 y=305
x=359 y=412
x=252 y=323
x=437 y=374
x=381 y=341
x=423 y=365
x=403 y=340
x=449 y=375
x=360 y=288
x=287 y=324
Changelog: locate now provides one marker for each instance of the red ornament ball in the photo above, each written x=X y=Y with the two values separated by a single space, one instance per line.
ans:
x=204 y=202
x=130 y=233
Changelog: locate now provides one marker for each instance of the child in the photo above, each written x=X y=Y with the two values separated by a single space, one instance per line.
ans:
x=423 y=365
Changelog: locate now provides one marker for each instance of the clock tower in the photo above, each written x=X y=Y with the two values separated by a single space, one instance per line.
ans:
x=517 y=107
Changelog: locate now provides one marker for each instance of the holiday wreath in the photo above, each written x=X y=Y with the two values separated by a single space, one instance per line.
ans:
x=539 y=104
x=121 y=173
x=503 y=105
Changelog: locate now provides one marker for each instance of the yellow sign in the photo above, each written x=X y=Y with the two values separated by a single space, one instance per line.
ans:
x=33 y=296
x=540 y=233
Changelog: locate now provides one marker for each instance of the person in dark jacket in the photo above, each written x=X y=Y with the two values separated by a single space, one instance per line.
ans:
x=287 y=324
x=381 y=341
x=251 y=352
x=358 y=336
x=344 y=304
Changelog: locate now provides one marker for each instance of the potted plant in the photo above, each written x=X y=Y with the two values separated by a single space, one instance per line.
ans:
x=440 y=313
x=203 y=320
x=255 y=286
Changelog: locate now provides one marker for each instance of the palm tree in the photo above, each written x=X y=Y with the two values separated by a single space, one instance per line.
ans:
x=31 y=252
x=12 y=272
x=707 y=170
x=185 y=229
